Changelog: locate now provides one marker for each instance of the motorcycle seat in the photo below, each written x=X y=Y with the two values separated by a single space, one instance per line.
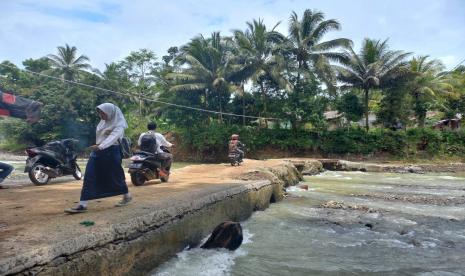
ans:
x=141 y=152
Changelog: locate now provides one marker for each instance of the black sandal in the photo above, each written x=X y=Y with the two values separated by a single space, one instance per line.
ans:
x=76 y=210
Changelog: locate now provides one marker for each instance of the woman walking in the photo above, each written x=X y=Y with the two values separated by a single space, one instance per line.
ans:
x=104 y=176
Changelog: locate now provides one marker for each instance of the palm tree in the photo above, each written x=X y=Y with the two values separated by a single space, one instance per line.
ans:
x=66 y=64
x=206 y=72
x=255 y=58
x=374 y=67
x=311 y=54
x=426 y=83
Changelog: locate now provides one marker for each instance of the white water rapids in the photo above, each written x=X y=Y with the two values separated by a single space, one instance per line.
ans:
x=348 y=223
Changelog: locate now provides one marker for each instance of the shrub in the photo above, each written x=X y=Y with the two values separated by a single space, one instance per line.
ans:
x=210 y=142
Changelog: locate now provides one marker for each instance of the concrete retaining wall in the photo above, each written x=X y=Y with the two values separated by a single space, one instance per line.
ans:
x=139 y=245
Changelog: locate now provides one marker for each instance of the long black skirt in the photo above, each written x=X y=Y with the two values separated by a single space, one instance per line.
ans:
x=104 y=176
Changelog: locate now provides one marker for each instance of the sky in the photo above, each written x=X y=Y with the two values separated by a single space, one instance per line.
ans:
x=108 y=30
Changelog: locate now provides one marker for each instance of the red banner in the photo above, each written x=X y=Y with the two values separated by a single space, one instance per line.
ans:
x=8 y=98
x=19 y=107
x=4 y=112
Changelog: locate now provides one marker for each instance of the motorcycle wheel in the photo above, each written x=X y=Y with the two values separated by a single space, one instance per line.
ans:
x=164 y=179
x=77 y=174
x=138 y=179
x=37 y=176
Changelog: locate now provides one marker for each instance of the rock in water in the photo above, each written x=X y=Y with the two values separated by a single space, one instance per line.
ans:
x=303 y=187
x=226 y=235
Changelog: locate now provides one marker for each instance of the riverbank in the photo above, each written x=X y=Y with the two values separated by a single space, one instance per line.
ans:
x=36 y=237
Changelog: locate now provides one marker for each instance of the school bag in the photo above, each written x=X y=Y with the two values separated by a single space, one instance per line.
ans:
x=125 y=147
x=148 y=143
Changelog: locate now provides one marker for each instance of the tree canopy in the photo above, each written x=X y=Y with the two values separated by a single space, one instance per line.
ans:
x=256 y=77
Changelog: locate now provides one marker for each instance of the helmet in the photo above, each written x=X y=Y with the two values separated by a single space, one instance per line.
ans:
x=235 y=137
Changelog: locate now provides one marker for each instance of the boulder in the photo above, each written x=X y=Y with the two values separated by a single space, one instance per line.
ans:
x=303 y=187
x=226 y=235
x=312 y=167
x=414 y=169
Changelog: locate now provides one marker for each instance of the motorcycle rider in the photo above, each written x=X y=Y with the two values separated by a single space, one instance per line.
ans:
x=152 y=142
x=235 y=146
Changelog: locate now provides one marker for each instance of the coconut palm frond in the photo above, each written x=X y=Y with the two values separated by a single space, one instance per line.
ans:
x=331 y=44
x=66 y=64
x=324 y=27
x=188 y=87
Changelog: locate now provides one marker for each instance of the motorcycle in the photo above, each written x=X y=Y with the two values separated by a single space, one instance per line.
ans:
x=146 y=166
x=54 y=159
x=235 y=157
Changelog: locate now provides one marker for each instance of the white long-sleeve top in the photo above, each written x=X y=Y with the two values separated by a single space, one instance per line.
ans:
x=109 y=137
x=161 y=141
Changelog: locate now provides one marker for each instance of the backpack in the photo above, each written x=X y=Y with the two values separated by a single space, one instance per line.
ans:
x=125 y=147
x=148 y=143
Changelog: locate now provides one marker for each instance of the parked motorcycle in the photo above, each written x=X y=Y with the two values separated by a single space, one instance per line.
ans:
x=146 y=166
x=54 y=159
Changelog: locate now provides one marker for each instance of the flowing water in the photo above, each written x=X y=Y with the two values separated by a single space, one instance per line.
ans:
x=348 y=223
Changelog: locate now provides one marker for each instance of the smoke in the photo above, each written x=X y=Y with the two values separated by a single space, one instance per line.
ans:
x=82 y=131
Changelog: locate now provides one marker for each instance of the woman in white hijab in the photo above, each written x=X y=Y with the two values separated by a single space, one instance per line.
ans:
x=104 y=176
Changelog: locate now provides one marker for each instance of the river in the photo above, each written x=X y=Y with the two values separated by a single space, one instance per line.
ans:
x=348 y=223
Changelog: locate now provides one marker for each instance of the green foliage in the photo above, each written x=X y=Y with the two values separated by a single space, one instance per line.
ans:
x=375 y=66
x=393 y=108
x=307 y=49
x=453 y=142
x=426 y=85
x=206 y=72
x=350 y=105
x=424 y=140
x=37 y=65
x=211 y=142
x=454 y=102
x=10 y=130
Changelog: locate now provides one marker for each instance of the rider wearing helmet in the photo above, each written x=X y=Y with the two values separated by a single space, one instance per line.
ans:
x=235 y=146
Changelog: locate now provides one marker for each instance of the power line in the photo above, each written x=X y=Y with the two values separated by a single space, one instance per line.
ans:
x=457 y=66
x=138 y=96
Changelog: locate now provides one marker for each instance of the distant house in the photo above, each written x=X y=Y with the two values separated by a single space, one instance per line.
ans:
x=337 y=120
x=283 y=124
x=431 y=117
x=334 y=119
x=453 y=123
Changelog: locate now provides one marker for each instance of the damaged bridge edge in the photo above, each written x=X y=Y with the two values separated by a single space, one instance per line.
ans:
x=136 y=246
